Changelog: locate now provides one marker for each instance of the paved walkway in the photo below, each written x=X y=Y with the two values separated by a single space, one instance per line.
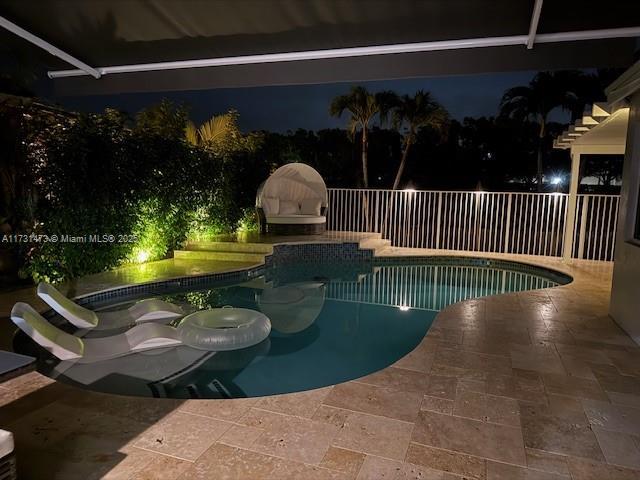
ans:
x=531 y=385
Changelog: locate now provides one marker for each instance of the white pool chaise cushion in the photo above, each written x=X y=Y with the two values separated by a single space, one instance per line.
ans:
x=65 y=346
x=148 y=310
x=79 y=316
x=61 y=344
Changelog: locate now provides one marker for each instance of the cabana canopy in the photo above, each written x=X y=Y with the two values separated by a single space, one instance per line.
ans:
x=294 y=182
x=293 y=200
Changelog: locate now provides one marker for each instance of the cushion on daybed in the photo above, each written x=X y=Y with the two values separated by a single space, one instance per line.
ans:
x=287 y=207
x=271 y=205
x=296 y=219
x=310 y=206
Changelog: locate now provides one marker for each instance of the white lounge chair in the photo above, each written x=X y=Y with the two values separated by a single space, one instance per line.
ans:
x=65 y=346
x=144 y=311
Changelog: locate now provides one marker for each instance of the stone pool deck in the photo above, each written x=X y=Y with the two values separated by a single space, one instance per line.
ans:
x=538 y=385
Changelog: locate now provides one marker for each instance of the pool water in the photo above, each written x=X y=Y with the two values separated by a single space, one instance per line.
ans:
x=329 y=325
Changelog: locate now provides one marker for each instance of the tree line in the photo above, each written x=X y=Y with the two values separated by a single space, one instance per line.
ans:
x=568 y=90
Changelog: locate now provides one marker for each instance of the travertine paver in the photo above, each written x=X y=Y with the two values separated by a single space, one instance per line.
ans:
x=536 y=385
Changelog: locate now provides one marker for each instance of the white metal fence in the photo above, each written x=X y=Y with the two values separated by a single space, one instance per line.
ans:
x=525 y=223
x=595 y=226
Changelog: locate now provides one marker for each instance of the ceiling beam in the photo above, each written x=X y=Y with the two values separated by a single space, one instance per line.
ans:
x=359 y=51
x=533 y=26
x=53 y=50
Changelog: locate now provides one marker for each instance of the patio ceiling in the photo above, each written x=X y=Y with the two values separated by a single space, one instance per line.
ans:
x=116 y=33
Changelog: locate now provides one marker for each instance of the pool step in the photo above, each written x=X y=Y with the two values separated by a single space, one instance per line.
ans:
x=255 y=252
x=223 y=255
x=230 y=251
x=240 y=247
x=375 y=244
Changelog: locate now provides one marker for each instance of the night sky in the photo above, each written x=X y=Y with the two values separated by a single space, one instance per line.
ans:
x=283 y=108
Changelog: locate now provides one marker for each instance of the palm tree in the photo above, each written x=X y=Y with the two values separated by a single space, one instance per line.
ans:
x=363 y=107
x=217 y=133
x=545 y=92
x=413 y=113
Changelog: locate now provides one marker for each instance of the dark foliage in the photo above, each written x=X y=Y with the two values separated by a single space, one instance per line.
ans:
x=139 y=182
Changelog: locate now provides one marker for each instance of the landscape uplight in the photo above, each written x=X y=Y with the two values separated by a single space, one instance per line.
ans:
x=142 y=256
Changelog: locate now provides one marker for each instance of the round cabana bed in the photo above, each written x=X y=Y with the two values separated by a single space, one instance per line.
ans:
x=293 y=201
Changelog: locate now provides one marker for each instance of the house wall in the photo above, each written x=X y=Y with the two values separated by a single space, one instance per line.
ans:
x=625 y=292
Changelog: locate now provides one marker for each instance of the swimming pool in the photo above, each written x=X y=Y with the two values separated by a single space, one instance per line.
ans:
x=330 y=323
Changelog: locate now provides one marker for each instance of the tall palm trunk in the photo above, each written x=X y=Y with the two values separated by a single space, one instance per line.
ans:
x=365 y=170
x=403 y=162
x=539 y=159
x=365 y=178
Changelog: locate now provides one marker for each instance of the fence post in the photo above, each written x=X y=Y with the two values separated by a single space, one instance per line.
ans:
x=507 y=229
x=583 y=226
x=569 y=228
x=438 y=220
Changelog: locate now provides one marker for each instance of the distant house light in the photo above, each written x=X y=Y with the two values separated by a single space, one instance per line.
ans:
x=556 y=181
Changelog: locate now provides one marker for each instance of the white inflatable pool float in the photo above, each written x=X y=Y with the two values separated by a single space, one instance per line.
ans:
x=222 y=329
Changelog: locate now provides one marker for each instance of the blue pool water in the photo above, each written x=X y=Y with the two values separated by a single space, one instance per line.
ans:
x=330 y=324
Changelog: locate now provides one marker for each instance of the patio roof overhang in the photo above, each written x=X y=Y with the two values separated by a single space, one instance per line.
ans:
x=165 y=45
x=603 y=127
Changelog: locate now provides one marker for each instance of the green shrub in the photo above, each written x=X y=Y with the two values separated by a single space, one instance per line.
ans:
x=248 y=223
x=140 y=182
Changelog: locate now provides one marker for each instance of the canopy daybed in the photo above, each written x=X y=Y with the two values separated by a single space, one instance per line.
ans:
x=293 y=201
